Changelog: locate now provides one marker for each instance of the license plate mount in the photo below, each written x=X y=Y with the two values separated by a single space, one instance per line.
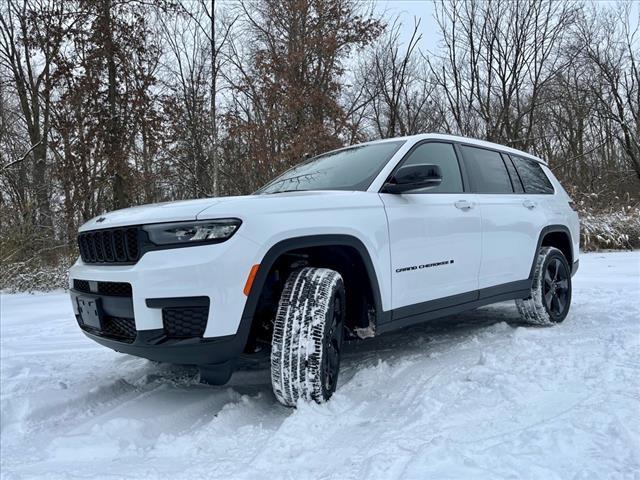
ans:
x=90 y=310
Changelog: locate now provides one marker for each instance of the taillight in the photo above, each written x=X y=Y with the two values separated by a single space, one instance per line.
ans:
x=573 y=206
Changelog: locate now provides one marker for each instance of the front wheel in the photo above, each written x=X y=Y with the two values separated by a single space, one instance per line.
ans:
x=307 y=336
x=550 y=291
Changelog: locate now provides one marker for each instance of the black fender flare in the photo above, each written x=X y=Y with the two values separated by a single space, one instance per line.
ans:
x=543 y=233
x=296 y=243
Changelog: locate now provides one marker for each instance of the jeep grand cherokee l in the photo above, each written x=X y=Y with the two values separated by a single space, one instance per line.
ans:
x=350 y=244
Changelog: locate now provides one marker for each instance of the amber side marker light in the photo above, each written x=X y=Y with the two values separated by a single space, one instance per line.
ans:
x=250 y=279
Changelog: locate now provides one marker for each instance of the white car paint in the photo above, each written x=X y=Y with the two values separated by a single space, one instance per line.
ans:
x=492 y=243
x=510 y=232
x=155 y=213
x=426 y=229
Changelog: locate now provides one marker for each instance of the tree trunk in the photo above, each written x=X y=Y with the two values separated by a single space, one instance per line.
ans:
x=114 y=152
x=214 y=124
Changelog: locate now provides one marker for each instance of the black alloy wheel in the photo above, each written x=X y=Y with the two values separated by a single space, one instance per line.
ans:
x=550 y=297
x=555 y=288
x=332 y=345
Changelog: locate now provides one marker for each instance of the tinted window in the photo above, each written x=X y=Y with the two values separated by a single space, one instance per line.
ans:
x=347 y=169
x=487 y=170
x=515 y=179
x=533 y=177
x=443 y=155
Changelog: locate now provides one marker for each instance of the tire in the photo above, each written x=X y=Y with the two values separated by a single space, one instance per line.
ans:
x=307 y=336
x=550 y=297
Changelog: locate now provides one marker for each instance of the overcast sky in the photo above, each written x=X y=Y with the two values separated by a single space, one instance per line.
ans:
x=407 y=10
x=424 y=9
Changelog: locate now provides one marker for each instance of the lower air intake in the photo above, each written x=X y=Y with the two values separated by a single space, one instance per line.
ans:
x=185 y=322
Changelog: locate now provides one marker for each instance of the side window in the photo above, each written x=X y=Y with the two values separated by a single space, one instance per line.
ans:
x=515 y=178
x=533 y=177
x=443 y=155
x=487 y=170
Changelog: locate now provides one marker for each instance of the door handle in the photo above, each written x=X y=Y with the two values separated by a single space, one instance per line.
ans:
x=530 y=204
x=463 y=205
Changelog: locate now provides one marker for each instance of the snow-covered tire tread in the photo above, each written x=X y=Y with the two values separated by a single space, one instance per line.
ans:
x=299 y=327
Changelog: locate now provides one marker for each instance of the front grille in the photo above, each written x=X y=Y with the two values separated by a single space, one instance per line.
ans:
x=185 y=322
x=81 y=286
x=115 y=245
x=117 y=328
x=111 y=289
x=120 y=328
x=114 y=289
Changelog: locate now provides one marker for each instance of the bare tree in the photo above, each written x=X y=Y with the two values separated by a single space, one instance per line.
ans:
x=400 y=92
x=206 y=20
x=186 y=102
x=498 y=57
x=612 y=44
x=31 y=34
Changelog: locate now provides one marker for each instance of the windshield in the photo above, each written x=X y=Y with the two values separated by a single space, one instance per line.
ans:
x=352 y=168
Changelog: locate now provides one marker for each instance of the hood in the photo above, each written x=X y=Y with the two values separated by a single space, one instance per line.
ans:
x=152 y=213
x=225 y=207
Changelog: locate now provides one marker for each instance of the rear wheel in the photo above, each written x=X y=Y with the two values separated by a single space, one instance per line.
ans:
x=307 y=336
x=550 y=297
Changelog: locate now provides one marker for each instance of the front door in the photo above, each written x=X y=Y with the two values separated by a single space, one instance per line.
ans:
x=435 y=235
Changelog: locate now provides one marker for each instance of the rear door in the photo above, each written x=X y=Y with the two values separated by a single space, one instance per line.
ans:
x=511 y=221
x=435 y=234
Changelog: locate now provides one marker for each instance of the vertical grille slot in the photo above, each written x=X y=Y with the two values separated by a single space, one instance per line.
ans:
x=131 y=238
x=92 y=249
x=84 y=249
x=118 y=241
x=97 y=241
x=107 y=246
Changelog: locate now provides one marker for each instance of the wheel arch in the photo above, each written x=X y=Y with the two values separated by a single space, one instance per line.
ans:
x=558 y=236
x=291 y=245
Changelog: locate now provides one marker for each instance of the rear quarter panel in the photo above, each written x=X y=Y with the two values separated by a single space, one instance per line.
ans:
x=560 y=212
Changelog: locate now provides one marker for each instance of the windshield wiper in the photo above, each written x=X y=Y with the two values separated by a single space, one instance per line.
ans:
x=284 y=191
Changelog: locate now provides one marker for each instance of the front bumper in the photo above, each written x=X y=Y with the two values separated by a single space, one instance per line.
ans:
x=180 y=341
x=216 y=271
x=157 y=281
x=153 y=345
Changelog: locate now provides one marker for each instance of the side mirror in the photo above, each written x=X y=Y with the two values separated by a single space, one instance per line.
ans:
x=413 y=177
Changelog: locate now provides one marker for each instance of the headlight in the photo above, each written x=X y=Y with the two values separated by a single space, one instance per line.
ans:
x=205 y=231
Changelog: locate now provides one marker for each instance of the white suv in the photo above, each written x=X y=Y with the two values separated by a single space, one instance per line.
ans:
x=353 y=243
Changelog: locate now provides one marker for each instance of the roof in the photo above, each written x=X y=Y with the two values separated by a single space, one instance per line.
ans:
x=467 y=140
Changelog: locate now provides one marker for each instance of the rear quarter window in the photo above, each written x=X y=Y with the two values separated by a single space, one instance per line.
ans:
x=515 y=178
x=533 y=178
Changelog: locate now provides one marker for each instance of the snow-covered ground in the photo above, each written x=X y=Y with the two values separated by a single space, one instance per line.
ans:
x=466 y=397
